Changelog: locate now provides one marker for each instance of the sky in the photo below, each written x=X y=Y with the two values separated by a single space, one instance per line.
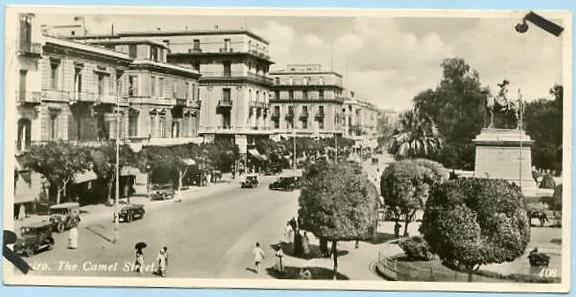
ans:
x=384 y=60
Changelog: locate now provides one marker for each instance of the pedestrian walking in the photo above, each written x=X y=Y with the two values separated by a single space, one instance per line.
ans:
x=139 y=264
x=279 y=266
x=305 y=245
x=289 y=233
x=305 y=273
x=73 y=237
x=298 y=251
x=258 y=256
x=162 y=265
x=22 y=212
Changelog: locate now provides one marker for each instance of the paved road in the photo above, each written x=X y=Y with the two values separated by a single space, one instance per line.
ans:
x=209 y=236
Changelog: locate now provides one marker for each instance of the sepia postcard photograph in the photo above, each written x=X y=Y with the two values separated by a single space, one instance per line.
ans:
x=335 y=149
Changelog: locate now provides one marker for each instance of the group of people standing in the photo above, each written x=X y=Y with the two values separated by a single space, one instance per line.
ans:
x=161 y=260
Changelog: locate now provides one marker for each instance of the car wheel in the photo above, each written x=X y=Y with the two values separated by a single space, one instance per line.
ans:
x=29 y=252
x=60 y=227
x=129 y=218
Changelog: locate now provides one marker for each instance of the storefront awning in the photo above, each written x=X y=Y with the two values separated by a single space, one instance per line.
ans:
x=189 y=162
x=257 y=155
x=83 y=177
x=126 y=171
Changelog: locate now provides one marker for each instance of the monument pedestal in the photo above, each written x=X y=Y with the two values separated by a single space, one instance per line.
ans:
x=505 y=154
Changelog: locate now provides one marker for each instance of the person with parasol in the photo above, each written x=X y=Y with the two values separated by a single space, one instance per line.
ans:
x=139 y=265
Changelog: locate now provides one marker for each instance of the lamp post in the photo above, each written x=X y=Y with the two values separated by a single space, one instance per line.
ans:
x=117 y=169
x=148 y=167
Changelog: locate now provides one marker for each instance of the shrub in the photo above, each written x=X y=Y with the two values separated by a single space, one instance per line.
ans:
x=548 y=182
x=475 y=222
x=416 y=249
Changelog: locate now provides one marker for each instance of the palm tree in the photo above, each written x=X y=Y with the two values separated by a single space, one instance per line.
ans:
x=417 y=137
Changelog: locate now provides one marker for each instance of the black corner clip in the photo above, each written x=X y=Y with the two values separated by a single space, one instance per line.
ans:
x=10 y=255
x=541 y=22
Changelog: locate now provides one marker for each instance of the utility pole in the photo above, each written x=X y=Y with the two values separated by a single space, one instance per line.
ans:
x=117 y=196
x=520 y=107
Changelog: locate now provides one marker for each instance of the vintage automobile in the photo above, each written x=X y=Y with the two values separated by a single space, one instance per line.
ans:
x=251 y=181
x=130 y=212
x=34 y=237
x=65 y=215
x=161 y=192
x=285 y=183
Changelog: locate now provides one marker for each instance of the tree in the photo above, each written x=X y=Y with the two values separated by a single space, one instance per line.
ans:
x=417 y=137
x=543 y=122
x=472 y=222
x=405 y=186
x=456 y=106
x=58 y=162
x=104 y=161
x=338 y=203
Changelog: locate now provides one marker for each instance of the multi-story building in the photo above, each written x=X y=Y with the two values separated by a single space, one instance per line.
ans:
x=164 y=98
x=84 y=91
x=234 y=82
x=360 y=120
x=306 y=101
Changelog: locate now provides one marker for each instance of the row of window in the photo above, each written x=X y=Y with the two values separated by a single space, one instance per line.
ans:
x=305 y=95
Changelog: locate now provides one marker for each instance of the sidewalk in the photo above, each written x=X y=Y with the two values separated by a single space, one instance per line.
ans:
x=98 y=212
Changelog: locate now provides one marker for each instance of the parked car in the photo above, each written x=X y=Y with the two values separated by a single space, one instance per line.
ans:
x=65 y=215
x=251 y=181
x=161 y=192
x=130 y=212
x=285 y=183
x=34 y=237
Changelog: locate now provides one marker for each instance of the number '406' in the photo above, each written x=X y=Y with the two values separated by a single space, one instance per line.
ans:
x=548 y=272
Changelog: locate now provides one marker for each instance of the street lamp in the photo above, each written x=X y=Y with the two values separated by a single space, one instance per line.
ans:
x=148 y=167
x=117 y=196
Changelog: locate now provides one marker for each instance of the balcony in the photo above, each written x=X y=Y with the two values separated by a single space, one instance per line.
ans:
x=30 y=49
x=181 y=102
x=224 y=105
x=275 y=115
x=290 y=115
x=320 y=115
x=304 y=115
x=226 y=75
x=259 y=54
x=32 y=98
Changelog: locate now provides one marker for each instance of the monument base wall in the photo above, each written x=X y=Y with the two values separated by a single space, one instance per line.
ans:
x=505 y=154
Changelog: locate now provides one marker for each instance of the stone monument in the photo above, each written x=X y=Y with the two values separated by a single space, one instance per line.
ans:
x=505 y=153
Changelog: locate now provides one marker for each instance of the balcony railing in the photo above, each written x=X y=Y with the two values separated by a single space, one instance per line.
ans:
x=320 y=115
x=226 y=50
x=181 y=102
x=237 y=75
x=225 y=103
x=28 y=97
x=194 y=50
x=304 y=115
x=275 y=115
x=29 y=48
x=290 y=115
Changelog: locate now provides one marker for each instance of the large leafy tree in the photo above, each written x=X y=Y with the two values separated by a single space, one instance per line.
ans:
x=58 y=162
x=543 y=122
x=417 y=137
x=472 y=222
x=104 y=161
x=338 y=203
x=405 y=186
x=456 y=106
